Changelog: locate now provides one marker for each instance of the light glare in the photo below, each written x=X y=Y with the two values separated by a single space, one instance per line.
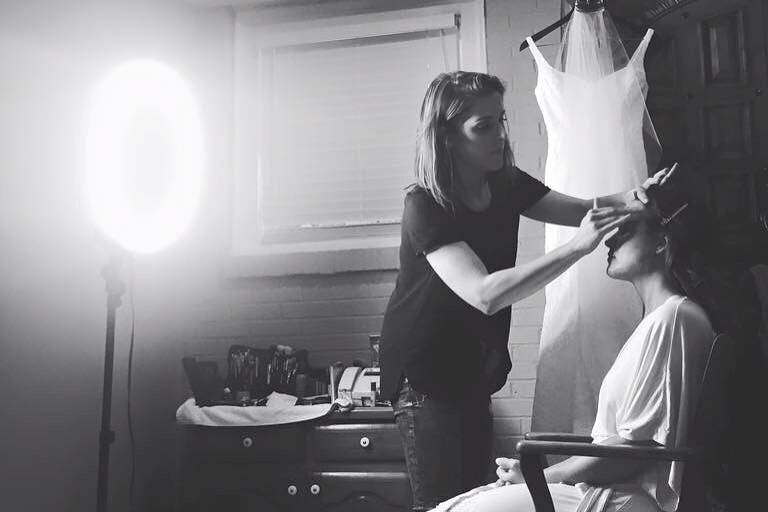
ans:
x=144 y=156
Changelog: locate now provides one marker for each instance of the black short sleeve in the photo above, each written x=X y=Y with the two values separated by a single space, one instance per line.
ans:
x=524 y=190
x=427 y=225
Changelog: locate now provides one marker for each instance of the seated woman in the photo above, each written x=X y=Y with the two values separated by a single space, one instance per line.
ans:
x=649 y=394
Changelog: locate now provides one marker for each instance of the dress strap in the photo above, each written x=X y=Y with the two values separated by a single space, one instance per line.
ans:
x=534 y=49
x=642 y=47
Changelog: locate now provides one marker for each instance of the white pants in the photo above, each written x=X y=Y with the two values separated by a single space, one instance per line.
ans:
x=566 y=498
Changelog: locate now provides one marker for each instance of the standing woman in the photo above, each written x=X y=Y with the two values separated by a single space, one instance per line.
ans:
x=446 y=326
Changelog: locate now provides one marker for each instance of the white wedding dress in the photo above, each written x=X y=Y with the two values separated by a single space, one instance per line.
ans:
x=600 y=141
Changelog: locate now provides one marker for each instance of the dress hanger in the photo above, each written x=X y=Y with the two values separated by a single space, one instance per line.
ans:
x=584 y=6
x=543 y=32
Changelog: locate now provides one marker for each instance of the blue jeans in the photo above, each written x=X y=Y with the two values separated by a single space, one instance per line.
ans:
x=447 y=444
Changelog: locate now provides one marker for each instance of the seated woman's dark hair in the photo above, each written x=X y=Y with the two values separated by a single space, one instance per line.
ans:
x=692 y=252
x=732 y=307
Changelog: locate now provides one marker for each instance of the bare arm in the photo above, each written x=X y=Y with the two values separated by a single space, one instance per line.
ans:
x=557 y=208
x=592 y=470
x=462 y=270
x=565 y=210
x=597 y=470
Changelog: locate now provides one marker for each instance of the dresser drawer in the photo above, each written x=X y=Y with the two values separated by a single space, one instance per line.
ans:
x=263 y=444
x=360 y=491
x=356 y=442
x=242 y=486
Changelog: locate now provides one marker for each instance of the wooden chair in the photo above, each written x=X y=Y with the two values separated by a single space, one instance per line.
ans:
x=701 y=454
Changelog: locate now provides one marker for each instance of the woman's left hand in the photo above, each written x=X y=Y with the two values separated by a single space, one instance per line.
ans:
x=638 y=194
x=509 y=471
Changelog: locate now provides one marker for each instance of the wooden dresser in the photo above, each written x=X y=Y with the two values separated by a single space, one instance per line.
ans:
x=349 y=461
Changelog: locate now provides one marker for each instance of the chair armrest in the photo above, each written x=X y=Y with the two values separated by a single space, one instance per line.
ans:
x=557 y=436
x=532 y=461
x=607 y=450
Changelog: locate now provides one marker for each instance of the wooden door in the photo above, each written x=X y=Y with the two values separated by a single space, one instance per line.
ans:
x=708 y=97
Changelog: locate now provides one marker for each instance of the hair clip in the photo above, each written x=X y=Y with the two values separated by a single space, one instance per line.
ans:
x=667 y=220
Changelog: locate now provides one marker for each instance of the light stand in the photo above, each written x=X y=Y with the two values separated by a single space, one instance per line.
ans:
x=115 y=289
x=141 y=107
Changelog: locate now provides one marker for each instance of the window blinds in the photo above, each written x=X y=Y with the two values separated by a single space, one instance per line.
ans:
x=341 y=128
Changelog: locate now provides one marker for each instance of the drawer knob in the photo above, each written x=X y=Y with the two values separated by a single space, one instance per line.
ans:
x=292 y=490
x=365 y=442
x=247 y=442
x=314 y=489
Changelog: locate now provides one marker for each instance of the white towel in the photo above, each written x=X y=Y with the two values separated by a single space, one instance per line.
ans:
x=278 y=411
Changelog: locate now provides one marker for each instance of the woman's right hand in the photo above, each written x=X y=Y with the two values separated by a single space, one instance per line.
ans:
x=595 y=225
x=508 y=471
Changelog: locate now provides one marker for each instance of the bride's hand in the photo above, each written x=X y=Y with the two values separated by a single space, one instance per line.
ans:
x=509 y=471
x=639 y=193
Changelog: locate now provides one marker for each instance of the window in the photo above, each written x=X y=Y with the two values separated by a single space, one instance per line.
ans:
x=326 y=116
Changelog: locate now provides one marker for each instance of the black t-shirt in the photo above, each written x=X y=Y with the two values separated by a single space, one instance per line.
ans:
x=430 y=335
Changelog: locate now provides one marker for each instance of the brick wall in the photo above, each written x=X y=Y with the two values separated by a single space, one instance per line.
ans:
x=332 y=315
x=508 y=23
x=329 y=315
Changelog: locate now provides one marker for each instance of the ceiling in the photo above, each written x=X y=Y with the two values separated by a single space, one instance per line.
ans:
x=644 y=11
x=641 y=12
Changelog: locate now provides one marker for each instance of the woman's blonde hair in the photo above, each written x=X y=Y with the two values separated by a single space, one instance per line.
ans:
x=447 y=97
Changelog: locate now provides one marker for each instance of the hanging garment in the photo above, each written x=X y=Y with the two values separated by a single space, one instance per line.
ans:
x=600 y=142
